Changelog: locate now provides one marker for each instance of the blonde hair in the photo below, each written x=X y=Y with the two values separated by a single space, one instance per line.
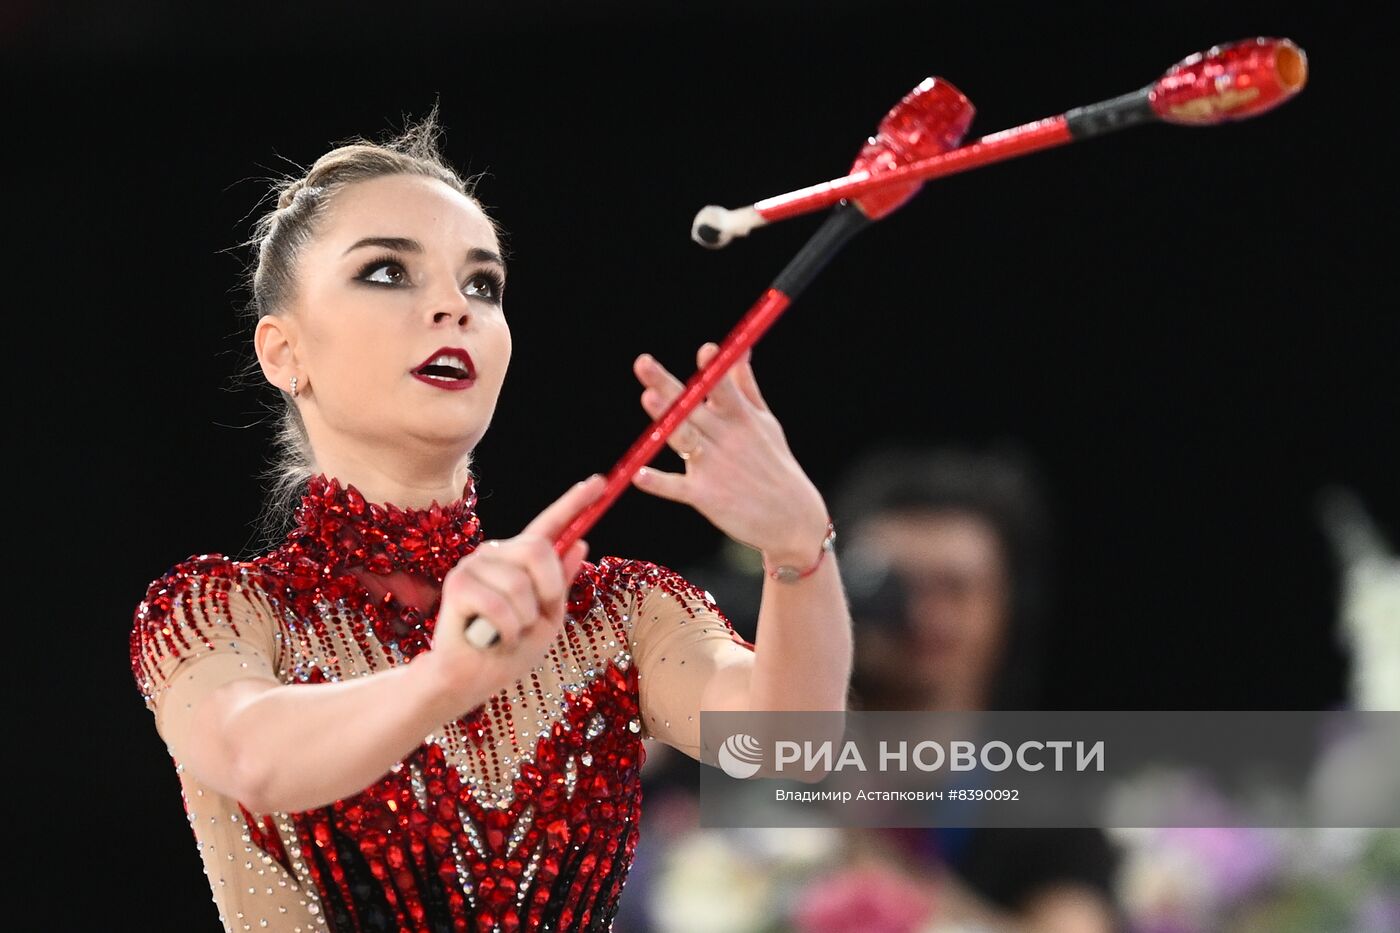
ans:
x=282 y=234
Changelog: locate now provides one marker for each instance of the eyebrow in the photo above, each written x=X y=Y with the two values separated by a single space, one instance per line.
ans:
x=409 y=245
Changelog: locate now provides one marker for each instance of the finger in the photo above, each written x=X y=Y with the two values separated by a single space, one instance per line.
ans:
x=724 y=398
x=660 y=483
x=510 y=582
x=573 y=560
x=557 y=515
x=534 y=639
x=492 y=605
x=535 y=555
x=663 y=389
x=686 y=437
x=748 y=383
x=701 y=425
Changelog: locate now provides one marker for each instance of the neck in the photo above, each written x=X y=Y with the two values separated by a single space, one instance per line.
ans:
x=396 y=478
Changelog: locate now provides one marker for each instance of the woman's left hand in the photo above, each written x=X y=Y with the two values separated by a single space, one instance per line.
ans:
x=739 y=472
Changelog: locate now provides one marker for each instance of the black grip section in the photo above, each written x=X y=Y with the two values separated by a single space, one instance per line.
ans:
x=844 y=222
x=1109 y=115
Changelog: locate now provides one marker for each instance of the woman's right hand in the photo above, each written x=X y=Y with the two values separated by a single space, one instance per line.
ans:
x=521 y=586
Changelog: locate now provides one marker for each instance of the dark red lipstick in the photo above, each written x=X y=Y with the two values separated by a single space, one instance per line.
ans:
x=447 y=368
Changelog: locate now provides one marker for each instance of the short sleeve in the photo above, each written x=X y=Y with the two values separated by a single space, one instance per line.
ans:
x=680 y=639
x=206 y=622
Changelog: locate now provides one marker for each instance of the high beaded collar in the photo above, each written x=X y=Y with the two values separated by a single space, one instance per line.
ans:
x=335 y=526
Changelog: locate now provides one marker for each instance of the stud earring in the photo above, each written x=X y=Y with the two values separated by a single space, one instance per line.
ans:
x=294 y=387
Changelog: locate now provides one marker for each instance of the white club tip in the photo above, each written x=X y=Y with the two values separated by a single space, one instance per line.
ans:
x=714 y=227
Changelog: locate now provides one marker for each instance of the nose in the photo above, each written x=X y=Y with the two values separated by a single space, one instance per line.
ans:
x=463 y=317
x=451 y=307
x=440 y=316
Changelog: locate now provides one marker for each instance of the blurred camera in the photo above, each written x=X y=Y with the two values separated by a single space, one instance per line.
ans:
x=878 y=594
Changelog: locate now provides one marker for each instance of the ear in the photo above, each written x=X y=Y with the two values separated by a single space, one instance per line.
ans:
x=274 y=342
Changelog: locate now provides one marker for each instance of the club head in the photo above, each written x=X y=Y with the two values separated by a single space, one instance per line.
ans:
x=930 y=120
x=1230 y=82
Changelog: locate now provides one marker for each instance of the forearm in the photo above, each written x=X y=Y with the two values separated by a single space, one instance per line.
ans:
x=295 y=747
x=803 y=648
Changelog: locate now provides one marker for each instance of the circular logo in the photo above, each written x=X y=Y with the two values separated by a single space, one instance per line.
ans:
x=740 y=756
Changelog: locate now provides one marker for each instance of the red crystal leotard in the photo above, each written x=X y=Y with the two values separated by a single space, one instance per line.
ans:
x=521 y=815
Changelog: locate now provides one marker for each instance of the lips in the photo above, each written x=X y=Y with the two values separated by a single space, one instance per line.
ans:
x=447 y=368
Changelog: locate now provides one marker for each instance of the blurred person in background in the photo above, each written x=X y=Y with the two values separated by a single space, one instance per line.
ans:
x=947 y=570
x=945 y=559
x=949 y=554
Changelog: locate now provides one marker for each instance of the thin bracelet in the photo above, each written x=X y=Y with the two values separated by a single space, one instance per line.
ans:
x=787 y=574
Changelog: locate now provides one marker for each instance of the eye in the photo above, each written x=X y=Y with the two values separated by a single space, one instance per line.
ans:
x=395 y=275
x=487 y=285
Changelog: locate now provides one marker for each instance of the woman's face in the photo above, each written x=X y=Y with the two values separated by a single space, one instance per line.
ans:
x=368 y=319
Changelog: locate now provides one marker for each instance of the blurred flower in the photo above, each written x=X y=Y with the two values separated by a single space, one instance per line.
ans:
x=1322 y=854
x=1379 y=913
x=1247 y=880
x=1163 y=888
x=709 y=885
x=1238 y=861
x=1182 y=877
x=793 y=849
x=866 y=899
x=1370 y=607
x=1359 y=774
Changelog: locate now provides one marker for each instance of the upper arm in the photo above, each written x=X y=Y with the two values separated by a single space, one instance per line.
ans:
x=688 y=658
x=198 y=630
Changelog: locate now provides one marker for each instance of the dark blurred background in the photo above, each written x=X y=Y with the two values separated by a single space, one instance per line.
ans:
x=1191 y=330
